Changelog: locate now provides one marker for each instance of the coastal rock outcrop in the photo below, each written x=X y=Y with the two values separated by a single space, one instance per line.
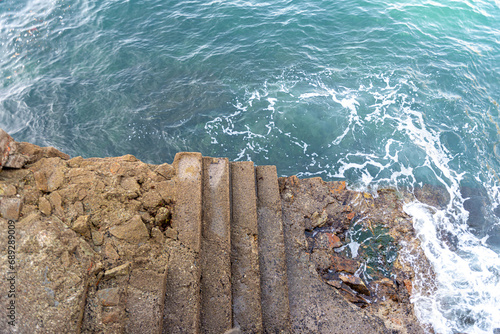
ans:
x=98 y=242
x=357 y=244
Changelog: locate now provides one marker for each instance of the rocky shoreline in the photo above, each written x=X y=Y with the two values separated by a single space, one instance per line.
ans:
x=96 y=239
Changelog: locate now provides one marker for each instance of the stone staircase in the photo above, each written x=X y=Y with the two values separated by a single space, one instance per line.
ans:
x=231 y=270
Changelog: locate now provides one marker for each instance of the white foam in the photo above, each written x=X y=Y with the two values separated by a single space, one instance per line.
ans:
x=466 y=269
x=467 y=279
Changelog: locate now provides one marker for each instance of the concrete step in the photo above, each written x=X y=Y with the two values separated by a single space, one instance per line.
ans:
x=216 y=310
x=230 y=270
x=274 y=283
x=182 y=296
x=245 y=272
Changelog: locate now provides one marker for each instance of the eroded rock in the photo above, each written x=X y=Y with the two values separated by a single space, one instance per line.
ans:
x=354 y=242
x=10 y=208
x=133 y=231
x=54 y=270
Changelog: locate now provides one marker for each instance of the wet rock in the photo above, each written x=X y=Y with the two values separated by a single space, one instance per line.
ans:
x=335 y=283
x=355 y=283
x=337 y=187
x=436 y=196
x=477 y=205
x=385 y=289
x=343 y=264
x=376 y=227
x=409 y=286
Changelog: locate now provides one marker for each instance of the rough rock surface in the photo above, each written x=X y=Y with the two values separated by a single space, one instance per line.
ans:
x=348 y=244
x=90 y=240
x=96 y=238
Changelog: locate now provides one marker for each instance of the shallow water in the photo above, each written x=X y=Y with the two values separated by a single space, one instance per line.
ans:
x=375 y=92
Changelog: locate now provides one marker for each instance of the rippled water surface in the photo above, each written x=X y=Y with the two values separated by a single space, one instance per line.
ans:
x=398 y=93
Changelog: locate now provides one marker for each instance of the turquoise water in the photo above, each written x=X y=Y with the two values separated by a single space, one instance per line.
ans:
x=375 y=92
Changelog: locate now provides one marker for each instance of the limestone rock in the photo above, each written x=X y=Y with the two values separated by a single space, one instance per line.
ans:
x=81 y=225
x=10 y=208
x=151 y=199
x=165 y=170
x=157 y=235
x=110 y=252
x=50 y=292
x=122 y=270
x=171 y=233
x=134 y=231
x=5 y=147
x=130 y=184
x=7 y=190
x=319 y=219
x=44 y=206
x=56 y=201
x=17 y=155
x=166 y=189
x=97 y=238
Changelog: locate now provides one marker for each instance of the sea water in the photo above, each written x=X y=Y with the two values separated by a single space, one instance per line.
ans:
x=376 y=92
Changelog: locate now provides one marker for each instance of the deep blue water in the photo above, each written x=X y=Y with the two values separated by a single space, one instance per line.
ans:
x=374 y=92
